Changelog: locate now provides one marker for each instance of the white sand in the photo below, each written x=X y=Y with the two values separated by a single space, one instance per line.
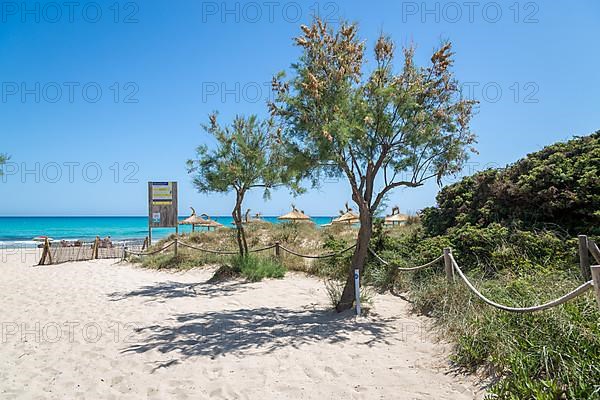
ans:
x=96 y=330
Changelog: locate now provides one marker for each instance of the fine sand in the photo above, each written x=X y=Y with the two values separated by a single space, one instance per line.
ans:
x=103 y=330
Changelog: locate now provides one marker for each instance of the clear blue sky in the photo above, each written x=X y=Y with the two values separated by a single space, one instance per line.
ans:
x=178 y=61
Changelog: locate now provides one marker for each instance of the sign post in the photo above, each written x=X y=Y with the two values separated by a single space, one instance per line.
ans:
x=357 y=290
x=162 y=207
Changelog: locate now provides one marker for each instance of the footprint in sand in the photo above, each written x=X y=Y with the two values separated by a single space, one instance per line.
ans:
x=331 y=372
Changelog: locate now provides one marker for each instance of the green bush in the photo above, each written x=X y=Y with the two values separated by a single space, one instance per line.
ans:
x=553 y=354
x=257 y=268
x=334 y=267
x=170 y=261
x=555 y=188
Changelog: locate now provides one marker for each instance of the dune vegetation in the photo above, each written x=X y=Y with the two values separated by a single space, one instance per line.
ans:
x=517 y=257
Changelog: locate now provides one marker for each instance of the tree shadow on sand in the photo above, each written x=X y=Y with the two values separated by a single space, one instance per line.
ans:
x=173 y=290
x=261 y=330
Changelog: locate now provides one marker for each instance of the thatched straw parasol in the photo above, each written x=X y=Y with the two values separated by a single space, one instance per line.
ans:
x=348 y=217
x=209 y=223
x=294 y=215
x=248 y=219
x=396 y=217
x=193 y=220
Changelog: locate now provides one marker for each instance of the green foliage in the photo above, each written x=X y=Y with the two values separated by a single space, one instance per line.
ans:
x=334 y=288
x=256 y=268
x=334 y=268
x=182 y=261
x=557 y=187
x=288 y=232
x=547 y=355
x=379 y=123
x=248 y=155
x=380 y=129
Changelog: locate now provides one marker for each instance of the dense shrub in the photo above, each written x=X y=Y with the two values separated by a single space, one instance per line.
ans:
x=557 y=187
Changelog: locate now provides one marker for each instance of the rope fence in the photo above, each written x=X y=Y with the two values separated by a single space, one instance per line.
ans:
x=569 y=296
x=317 y=256
x=429 y=264
x=150 y=253
x=95 y=250
x=452 y=266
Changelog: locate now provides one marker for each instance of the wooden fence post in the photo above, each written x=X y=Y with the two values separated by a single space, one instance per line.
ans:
x=584 y=257
x=45 y=253
x=595 y=270
x=95 y=248
x=594 y=250
x=145 y=244
x=175 y=251
x=448 y=267
x=277 y=249
x=49 y=250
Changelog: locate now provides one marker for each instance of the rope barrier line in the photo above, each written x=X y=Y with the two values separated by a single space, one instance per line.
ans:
x=571 y=295
x=317 y=257
x=149 y=253
x=208 y=250
x=235 y=252
x=263 y=249
x=429 y=264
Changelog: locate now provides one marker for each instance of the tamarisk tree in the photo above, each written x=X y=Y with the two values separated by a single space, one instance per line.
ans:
x=381 y=129
x=248 y=155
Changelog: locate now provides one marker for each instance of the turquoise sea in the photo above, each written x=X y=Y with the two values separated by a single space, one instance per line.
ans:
x=19 y=231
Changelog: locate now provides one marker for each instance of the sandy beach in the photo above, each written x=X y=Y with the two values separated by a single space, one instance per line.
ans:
x=107 y=330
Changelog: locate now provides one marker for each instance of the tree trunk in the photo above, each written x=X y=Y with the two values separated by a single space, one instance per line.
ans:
x=359 y=258
x=237 y=219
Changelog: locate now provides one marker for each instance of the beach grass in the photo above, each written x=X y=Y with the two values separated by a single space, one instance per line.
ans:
x=255 y=268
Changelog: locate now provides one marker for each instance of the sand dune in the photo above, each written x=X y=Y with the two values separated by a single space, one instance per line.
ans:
x=100 y=330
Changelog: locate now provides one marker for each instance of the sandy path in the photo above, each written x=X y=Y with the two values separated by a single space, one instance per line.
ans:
x=95 y=330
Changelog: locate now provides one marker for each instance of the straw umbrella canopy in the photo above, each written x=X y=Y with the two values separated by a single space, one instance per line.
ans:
x=349 y=218
x=294 y=216
x=396 y=217
x=193 y=220
x=250 y=219
x=209 y=223
x=257 y=218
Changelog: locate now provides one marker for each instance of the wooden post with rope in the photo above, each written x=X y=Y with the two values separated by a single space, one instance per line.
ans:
x=584 y=257
x=278 y=249
x=448 y=265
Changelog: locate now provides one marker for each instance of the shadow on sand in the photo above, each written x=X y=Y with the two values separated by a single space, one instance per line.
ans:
x=173 y=290
x=260 y=330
